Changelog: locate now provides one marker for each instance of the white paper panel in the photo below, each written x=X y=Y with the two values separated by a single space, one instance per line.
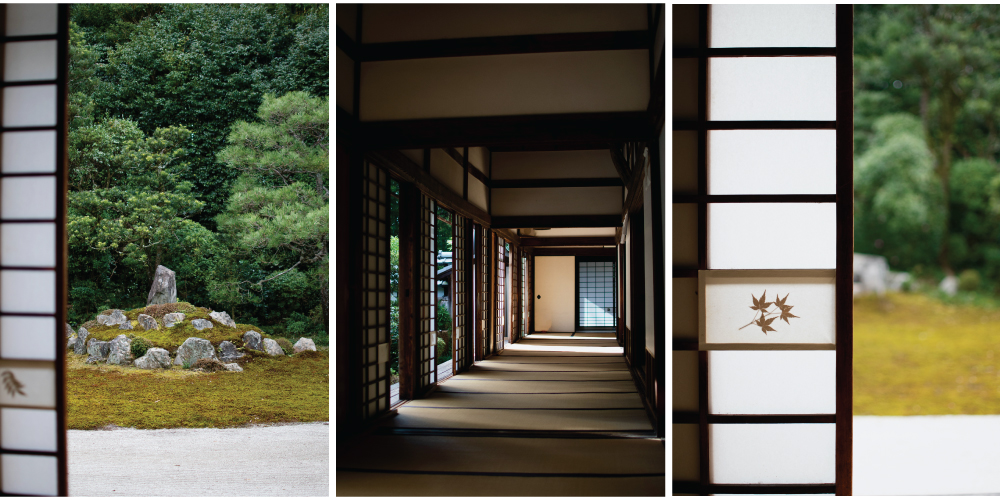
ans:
x=771 y=235
x=685 y=234
x=771 y=162
x=685 y=380
x=685 y=307
x=29 y=475
x=26 y=337
x=30 y=61
x=772 y=453
x=36 y=385
x=28 y=245
x=773 y=26
x=772 y=88
x=29 y=152
x=685 y=452
x=31 y=19
x=730 y=319
x=28 y=291
x=28 y=198
x=25 y=429
x=772 y=382
x=29 y=106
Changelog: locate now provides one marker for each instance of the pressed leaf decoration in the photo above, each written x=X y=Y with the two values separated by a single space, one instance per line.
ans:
x=763 y=317
x=11 y=384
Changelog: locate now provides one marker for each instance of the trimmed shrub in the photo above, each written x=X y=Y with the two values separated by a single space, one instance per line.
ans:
x=285 y=345
x=209 y=365
x=139 y=347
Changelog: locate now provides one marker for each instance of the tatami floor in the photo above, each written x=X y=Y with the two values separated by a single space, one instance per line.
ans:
x=554 y=414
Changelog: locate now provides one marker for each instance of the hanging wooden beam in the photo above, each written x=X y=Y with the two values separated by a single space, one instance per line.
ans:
x=580 y=252
x=500 y=45
x=621 y=164
x=567 y=241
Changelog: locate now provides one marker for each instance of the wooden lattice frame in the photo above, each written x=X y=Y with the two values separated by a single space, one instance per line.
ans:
x=501 y=317
x=375 y=292
x=427 y=294
x=460 y=330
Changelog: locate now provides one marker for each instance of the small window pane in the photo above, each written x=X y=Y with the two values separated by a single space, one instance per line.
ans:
x=771 y=235
x=29 y=152
x=30 y=61
x=772 y=162
x=772 y=382
x=29 y=475
x=36 y=386
x=772 y=88
x=24 y=429
x=25 y=337
x=29 y=106
x=773 y=25
x=28 y=198
x=31 y=19
x=28 y=245
x=28 y=291
x=772 y=453
x=798 y=308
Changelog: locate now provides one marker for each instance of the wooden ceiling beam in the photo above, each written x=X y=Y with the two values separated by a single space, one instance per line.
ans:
x=567 y=241
x=502 y=45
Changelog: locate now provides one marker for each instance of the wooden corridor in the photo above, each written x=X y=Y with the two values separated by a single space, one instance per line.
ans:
x=552 y=415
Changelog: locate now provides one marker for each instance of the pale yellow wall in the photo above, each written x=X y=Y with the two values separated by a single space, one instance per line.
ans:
x=417 y=155
x=685 y=380
x=685 y=307
x=685 y=161
x=553 y=164
x=685 y=452
x=478 y=194
x=554 y=281
x=480 y=158
x=398 y=22
x=556 y=201
x=445 y=169
x=518 y=84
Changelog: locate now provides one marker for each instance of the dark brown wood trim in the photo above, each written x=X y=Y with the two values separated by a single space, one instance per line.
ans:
x=772 y=419
x=684 y=417
x=509 y=235
x=345 y=44
x=356 y=98
x=567 y=241
x=685 y=272
x=634 y=200
x=427 y=160
x=492 y=131
x=478 y=174
x=703 y=437
x=455 y=155
x=548 y=221
x=513 y=44
x=681 y=53
x=465 y=178
x=556 y=183
x=578 y=252
x=682 y=344
x=704 y=450
x=845 y=249
x=754 y=198
x=754 y=125
x=62 y=249
x=552 y=146
x=695 y=488
x=409 y=286
x=403 y=167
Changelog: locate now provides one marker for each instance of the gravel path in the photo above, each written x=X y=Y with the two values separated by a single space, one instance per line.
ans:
x=275 y=460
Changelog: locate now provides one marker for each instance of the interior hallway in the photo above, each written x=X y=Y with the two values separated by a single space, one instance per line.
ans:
x=553 y=414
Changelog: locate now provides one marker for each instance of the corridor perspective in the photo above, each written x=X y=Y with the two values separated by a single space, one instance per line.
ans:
x=553 y=414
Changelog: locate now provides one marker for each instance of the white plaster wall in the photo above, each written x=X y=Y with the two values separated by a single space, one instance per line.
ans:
x=480 y=158
x=445 y=169
x=554 y=282
x=478 y=194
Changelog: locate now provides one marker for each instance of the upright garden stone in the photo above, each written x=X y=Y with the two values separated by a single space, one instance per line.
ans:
x=252 y=340
x=103 y=319
x=304 y=344
x=222 y=318
x=233 y=367
x=228 y=352
x=201 y=324
x=118 y=317
x=153 y=359
x=69 y=331
x=272 y=348
x=81 y=341
x=164 y=289
x=172 y=319
x=120 y=351
x=194 y=349
x=147 y=322
x=99 y=349
x=127 y=325
x=71 y=343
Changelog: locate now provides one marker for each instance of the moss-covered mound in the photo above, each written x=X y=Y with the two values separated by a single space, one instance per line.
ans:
x=173 y=337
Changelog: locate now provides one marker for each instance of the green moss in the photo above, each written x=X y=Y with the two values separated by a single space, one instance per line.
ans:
x=269 y=390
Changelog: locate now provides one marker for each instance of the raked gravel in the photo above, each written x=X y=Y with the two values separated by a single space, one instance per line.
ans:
x=264 y=460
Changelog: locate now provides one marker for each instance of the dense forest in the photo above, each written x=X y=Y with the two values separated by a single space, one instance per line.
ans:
x=198 y=140
x=927 y=139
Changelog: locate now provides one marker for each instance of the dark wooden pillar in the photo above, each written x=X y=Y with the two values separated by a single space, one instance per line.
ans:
x=409 y=210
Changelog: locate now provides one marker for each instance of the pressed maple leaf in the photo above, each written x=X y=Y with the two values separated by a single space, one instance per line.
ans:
x=11 y=383
x=786 y=310
x=760 y=305
x=765 y=324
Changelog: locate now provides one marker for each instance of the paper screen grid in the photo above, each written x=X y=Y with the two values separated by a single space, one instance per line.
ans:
x=596 y=294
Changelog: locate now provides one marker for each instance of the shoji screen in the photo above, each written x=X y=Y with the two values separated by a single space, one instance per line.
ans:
x=763 y=227
x=460 y=285
x=375 y=292
x=33 y=250
x=427 y=290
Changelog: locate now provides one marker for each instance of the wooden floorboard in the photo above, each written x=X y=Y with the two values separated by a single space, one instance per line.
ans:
x=553 y=415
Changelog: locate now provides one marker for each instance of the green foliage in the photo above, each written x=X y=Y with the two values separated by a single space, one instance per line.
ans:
x=139 y=346
x=444 y=333
x=968 y=280
x=286 y=345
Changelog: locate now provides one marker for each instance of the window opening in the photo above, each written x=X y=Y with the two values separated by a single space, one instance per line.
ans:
x=595 y=298
x=394 y=290
x=445 y=304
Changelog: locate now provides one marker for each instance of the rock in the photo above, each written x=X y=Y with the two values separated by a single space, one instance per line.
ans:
x=304 y=344
x=147 y=322
x=118 y=317
x=81 y=341
x=153 y=359
x=201 y=324
x=228 y=352
x=103 y=319
x=233 y=367
x=949 y=285
x=127 y=325
x=71 y=343
x=222 y=318
x=172 y=319
x=272 y=348
x=194 y=349
x=92 y=360
x=120 y=351
x=164 y=289
x=98 y=349
x=252 y=340
x=69 y=331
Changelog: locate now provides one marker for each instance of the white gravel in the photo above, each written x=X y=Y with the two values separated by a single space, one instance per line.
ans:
x=274 y=460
